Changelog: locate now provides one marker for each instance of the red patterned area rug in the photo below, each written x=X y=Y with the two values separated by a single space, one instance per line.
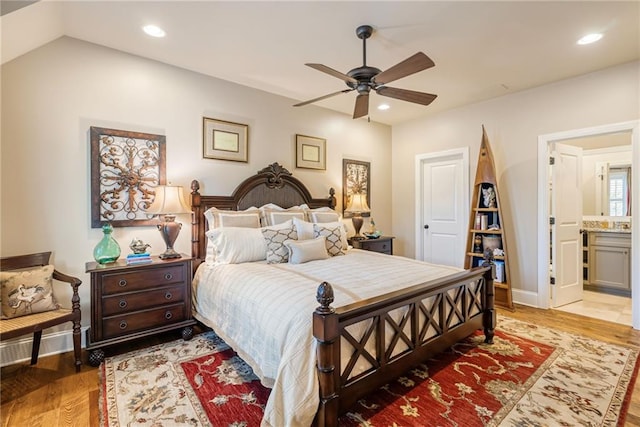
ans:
x=530 y=376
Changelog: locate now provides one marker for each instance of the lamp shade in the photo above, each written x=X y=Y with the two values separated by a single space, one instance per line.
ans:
x=358 y=204
x=169 y=200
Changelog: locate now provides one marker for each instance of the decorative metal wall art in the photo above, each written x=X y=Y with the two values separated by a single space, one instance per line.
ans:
x=126 y=167
x=355 y=179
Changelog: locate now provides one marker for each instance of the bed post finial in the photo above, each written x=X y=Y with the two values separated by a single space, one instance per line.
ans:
x=195 y=186
x=332 y=198
x=325 y=297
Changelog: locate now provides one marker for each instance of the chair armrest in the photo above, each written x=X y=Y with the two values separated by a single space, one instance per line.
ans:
x=74 y=282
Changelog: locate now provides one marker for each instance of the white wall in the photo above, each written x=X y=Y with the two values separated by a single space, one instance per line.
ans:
x=513 y=123
x=52 y=95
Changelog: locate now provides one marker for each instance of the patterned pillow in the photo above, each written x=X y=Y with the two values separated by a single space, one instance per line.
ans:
x=27 y=291
x=333 y=235
x=275 y=238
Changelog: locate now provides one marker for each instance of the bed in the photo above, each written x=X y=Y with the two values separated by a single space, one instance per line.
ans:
x=393 y=312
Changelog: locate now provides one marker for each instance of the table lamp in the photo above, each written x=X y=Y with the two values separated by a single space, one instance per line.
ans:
x=357 y=207
x=169 y=201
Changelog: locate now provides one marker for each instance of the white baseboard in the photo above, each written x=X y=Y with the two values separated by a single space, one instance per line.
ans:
x=19 y=349
x=525 y=297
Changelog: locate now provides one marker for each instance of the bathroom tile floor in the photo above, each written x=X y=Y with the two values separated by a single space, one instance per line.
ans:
x=602 y=306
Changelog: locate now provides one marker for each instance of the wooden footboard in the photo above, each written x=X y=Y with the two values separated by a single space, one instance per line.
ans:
x=395 y=332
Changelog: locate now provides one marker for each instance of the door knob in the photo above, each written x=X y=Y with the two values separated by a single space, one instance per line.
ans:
x=426 y=227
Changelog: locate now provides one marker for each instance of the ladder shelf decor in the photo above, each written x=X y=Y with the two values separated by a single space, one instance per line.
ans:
x=486 y=225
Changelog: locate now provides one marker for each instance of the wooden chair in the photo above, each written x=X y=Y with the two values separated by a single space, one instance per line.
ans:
x=35 y=323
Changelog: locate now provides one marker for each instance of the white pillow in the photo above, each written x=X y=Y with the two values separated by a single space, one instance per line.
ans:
x=325 y=214
x=301 y=251
x=275 y=238
x=333 y=235
x=235 y=245
x=305 y=230
x=222 y=218
x=274 y=217
x=249 y=217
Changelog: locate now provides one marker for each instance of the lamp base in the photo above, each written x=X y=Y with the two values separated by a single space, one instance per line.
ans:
x=169 y=230
x=169 y=254
x=357 y=225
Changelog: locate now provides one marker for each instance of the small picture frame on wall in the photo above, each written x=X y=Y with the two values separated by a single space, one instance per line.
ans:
x=224 y=140
x=311 y=152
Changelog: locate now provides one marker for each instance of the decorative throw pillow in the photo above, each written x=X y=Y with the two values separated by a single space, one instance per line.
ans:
x=273 y=214
x=322 y=215
x=302 y=251
x=27 y=291
x=305 y=230
x=235 y=245
x=333 y=236
x=221 y=218
x=275 y=238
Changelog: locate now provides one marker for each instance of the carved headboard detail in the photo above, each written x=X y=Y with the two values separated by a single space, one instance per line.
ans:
x=273 y=184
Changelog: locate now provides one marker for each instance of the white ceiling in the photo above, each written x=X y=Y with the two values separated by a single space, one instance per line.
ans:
x=481 y=49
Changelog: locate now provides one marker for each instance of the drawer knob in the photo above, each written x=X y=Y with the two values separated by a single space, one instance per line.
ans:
x=168 y=295
x=122 y=283
x=122 y=303
x=123 y=324
x=168 y=276
x=168 y=315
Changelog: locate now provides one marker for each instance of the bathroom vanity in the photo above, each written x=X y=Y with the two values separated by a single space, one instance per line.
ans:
x=607 y=260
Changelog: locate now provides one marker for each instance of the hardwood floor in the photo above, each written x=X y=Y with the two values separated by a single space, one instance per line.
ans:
x=52 y=394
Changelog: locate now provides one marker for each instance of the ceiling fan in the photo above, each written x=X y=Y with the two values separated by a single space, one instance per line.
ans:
x=365 y=78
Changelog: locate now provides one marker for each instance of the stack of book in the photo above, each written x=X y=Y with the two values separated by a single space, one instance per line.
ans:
x=138 y=258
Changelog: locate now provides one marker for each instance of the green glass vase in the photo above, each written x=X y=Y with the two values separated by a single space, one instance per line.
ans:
x=107 y=250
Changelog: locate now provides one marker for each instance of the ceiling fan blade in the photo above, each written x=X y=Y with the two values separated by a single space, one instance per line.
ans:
x=320 y=98
x=332 y=72
x=411 y=65
x=362 y=106
x=407 y=95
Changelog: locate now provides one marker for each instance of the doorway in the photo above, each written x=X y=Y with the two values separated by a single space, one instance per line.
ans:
x=545 y=199
x=442 y=199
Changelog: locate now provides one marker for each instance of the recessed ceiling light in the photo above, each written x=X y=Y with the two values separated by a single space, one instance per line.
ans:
x=383 y=107
x=590 y=38
x=154 y=31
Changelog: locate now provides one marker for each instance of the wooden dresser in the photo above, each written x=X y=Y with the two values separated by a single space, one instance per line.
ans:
x=133 y=301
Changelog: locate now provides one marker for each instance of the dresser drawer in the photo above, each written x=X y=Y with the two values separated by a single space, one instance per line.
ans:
x=127 y=281
x=383 y=247
x=126 y=302
x=142 y=320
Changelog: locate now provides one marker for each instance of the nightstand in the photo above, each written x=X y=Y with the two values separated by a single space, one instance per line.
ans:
x=383 y=244
x=134 y=301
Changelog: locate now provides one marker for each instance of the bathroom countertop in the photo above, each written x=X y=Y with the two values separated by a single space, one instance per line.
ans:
x=608 y=230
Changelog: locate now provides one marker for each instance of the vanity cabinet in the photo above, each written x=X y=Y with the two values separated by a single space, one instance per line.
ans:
x=610 y=263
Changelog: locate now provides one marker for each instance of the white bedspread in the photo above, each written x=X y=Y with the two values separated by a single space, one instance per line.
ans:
x=265 y=313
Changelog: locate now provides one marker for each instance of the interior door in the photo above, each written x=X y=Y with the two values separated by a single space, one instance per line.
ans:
x=566 y=210
x=443 y=215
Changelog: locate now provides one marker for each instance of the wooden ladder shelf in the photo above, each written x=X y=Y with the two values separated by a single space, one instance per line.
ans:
x=486 y=224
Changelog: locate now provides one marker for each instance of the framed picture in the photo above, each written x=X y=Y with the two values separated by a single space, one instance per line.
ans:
x=311 y=152
x=126 y=167
x=355 y=179
x=224 y=140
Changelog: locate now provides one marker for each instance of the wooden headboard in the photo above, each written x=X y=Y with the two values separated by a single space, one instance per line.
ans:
x=273 y=184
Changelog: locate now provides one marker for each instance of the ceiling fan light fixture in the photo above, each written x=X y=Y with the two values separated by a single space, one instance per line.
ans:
x=383 y=107
x=590 y=38
x=154 y=31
